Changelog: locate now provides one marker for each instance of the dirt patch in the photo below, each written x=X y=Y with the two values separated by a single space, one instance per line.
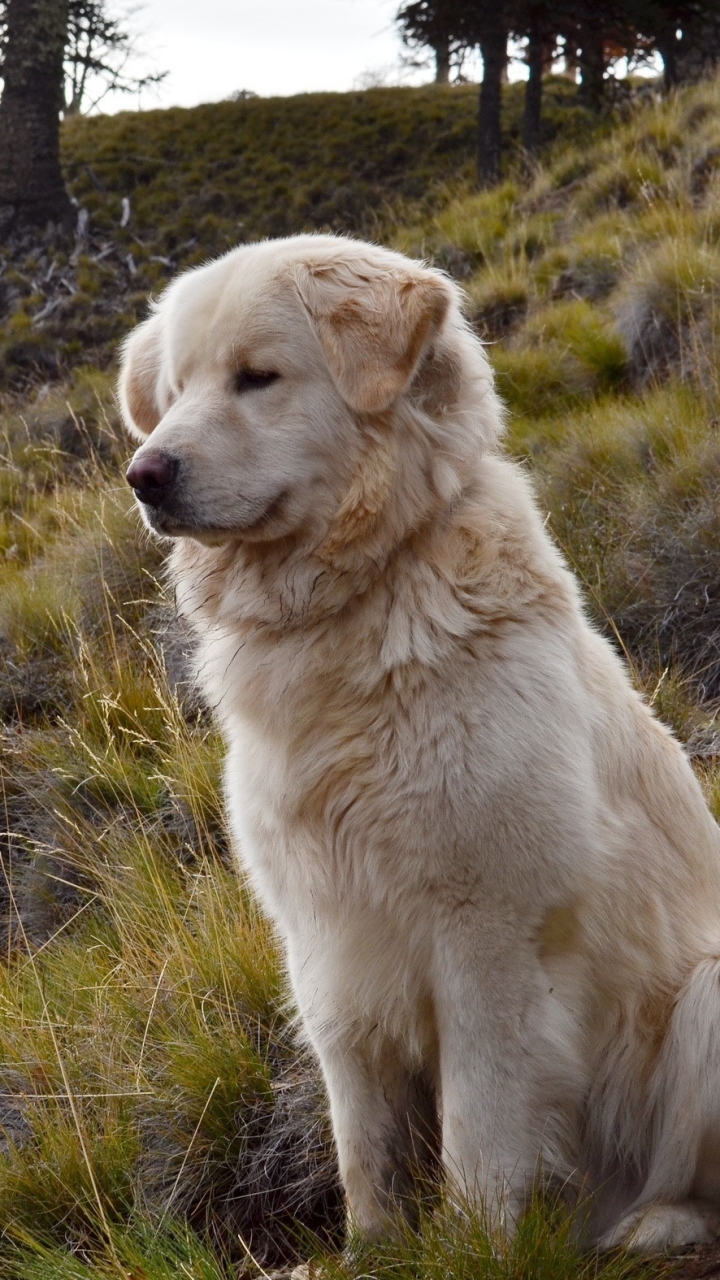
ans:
x=702 y=1263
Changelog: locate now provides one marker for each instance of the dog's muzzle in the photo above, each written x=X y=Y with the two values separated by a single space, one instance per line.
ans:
x=153 y=476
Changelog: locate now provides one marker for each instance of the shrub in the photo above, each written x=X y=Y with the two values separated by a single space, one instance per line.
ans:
x=581 y=329
x=475 y=225
x=498 y=301
x=666 y=312
x=589 y=268
x=538 y=381
x=631 y=488
x=622 y=181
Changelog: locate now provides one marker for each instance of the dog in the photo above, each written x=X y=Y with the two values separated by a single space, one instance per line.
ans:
x=493 y=871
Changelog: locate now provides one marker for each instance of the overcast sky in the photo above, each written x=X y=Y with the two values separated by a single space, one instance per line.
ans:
x=213 y=47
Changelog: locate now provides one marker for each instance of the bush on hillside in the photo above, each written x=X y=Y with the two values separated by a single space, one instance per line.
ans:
x=590 y=268
x=632 y=491
x=498 y=303
x=666 y=313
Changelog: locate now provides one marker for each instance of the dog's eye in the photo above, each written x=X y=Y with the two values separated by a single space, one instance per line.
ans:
x=254 y=379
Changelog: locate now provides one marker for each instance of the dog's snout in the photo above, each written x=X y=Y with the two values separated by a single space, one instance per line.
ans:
x=152 y=477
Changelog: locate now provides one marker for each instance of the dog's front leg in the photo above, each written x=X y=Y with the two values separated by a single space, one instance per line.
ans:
x=491 y=1131
x=385 y=1126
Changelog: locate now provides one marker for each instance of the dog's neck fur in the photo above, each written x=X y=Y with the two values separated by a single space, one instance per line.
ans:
x=396 y=495
x=455 y=525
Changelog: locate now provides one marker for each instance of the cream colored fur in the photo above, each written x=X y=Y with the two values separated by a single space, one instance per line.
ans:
x=493 y=871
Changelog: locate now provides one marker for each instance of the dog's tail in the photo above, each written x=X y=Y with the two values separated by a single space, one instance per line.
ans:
x=685 y=1088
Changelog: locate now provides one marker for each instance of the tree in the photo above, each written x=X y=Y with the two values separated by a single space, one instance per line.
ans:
x=591 y=29
x=686 y=34
x=442 y=60
x=99 y=48
x=492 y=36
x=32 y=191
x=596 y=34
x=434 y=25
x=700 y=40
x=532 y=113
x=585 y=27
x=535 y=22
x=42 y=43
x=459 y=25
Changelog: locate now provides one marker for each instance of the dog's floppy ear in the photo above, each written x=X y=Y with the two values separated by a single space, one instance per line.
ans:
x=140 y=377
x=373 y=323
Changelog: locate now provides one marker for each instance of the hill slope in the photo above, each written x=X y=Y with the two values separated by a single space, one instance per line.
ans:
x=598 y=290
x=155 y=1119
x=275 y=166
x=163 y=190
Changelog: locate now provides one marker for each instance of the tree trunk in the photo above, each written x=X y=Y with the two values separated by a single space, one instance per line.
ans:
x=667 y=48
x=442 y=62
x=592 y=65
x=493 y=48
x=532 y=114
x=698 y=52
x=570 y=58
x=32 y=191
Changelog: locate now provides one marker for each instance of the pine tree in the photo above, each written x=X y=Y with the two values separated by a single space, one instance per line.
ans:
x=462 y=25
x=32 y=192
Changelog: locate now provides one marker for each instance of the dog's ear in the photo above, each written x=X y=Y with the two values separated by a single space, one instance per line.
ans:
x=140 y=377
x=373 y=323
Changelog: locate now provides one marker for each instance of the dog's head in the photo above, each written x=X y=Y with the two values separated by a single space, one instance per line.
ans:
x=265 y=387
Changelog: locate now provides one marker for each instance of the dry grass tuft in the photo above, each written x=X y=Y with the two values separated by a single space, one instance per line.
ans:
x=667 y=313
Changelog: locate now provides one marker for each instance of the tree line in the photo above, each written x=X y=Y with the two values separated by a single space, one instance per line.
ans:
x=591 y=35
x=50 y=50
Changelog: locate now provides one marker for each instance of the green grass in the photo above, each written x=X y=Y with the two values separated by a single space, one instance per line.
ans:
x=273 y=166
x=145 y=1048
x=157 y=1118
x=459 y=1244
x=200 y=180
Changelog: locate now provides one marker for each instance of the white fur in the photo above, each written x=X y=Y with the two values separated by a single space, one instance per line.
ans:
x=493 y=871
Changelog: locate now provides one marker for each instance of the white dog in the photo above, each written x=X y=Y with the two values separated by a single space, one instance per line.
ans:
x=493 y=871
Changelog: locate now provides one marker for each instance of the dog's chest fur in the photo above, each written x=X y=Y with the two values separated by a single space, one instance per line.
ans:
x=381 y=760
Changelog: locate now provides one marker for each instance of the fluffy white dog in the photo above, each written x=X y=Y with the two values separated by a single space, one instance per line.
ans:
x=493 y=871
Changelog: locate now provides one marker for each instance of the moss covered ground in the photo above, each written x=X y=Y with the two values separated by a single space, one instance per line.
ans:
x=157 y=1119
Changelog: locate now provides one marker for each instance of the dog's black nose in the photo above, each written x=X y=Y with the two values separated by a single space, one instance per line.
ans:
x=152 y=477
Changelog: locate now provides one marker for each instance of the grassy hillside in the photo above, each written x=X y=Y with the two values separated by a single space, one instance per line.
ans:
x=273 y=166
x=156 y=1119
x=196 y=181
x=598 y=290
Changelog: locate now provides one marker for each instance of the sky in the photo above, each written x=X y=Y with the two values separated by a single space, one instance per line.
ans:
x=213 y=48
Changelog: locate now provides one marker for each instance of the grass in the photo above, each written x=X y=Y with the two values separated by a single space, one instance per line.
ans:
x=272 y=166
x=458 y=1244
x=147 y=1069
x=630 y=485
x=157 y=1117
x=597 y=285
x=200 y=180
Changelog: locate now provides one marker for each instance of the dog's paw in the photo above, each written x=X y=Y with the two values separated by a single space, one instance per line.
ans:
x=313 y=1270
x=351 y=1259
x=659 y=1228
x=305 y=1271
